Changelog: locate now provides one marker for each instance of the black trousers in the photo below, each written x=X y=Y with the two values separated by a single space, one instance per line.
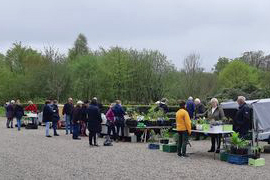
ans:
x=111 y=129
x=122 y=131
x=92 y=136
x=215 y=138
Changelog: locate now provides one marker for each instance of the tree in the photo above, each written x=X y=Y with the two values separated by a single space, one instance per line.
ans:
x=80 y=47
x=238 y=74
x=221 y=64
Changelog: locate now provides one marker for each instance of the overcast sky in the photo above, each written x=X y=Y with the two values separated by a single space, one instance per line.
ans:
x=177 y=28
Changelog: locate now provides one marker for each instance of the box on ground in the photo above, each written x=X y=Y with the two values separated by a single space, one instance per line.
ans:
x=256 y=162
x=170 y=148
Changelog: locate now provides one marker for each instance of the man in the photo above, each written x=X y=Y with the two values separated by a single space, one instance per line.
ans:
x=199 y=111
x=119 y=113
x=242 y=118
x=76 y=119
x=99 y=105
x=56 y=117
x=10 y=114
x=190 y=107
x=94 y=122
x=47 y=116
x=162 y=105
x=67 y=112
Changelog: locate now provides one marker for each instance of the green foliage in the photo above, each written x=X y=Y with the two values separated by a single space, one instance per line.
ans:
x=221 y=64
x=238 y=74
x=2 y=111
x=238 y=142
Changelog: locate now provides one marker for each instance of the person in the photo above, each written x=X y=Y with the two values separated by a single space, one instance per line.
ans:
x=67 y=112
x=190 y=107
x=94 y=122
x=119 y=113
x=99 y=105
x=6 y=105
x=111 y=122
x=162 y=105
x=47 y=116
x=56 y=117
x=199 y=110
x=33 y=109
x=19 y=113
x=83 y=122
x=76 y=119
x=10 y=114
x=242 y=119
x=215 y=113
x=183 y=126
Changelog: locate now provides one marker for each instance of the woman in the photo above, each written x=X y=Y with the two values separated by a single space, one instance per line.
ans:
x=10 y=114
x=94 y=122
x=19 y=113
x=56 y=117
x=183 y=126
x=215 y=113
x=47 y=116
x=76 y=118
x=33 y=109
x=84 y=118
x=111 y=121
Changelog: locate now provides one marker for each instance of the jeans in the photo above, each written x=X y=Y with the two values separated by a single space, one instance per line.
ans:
x=54 y=125
x=19 y=124
x=182 y=143
x=83 y=128
x=9 y=121
x=111 y=128
x=122 y=131
x=68 y=124
x=76 y=129
x=47 y=128
x=92 y=135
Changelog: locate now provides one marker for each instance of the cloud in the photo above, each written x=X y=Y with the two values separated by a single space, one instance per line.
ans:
x=176 y=28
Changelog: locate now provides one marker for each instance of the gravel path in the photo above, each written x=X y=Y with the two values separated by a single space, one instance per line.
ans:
x=28 y=154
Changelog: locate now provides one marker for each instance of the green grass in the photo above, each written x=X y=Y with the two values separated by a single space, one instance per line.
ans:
x=2 y=111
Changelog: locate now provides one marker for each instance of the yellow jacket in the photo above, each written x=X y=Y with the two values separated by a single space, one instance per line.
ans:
x=183 y=122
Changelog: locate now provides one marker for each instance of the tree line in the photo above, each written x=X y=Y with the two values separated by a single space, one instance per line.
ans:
x=135 y=77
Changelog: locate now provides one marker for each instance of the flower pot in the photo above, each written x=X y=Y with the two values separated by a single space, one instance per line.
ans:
x=164 y=141
x=131 y=123
x=256 y=162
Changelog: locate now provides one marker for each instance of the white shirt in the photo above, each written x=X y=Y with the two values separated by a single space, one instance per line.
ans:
x=213 y=110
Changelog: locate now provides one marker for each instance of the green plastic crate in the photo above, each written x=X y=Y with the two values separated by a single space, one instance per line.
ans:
x=223 y=156
x=256 y=162
x=170 y=148
x=161 y=147
x=227 y=127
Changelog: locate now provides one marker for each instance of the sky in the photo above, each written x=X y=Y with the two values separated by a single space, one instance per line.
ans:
x=177 y=28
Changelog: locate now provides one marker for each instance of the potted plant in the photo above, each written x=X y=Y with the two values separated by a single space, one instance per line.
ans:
x=152 y=140
x=256 y=159
x=165 y=135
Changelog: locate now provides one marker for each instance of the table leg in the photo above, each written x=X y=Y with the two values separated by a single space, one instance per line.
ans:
x=145 y=134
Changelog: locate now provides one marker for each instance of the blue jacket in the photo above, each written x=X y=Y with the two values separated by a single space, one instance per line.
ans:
x=19 y=112
x=190 y=108
x=118 y=111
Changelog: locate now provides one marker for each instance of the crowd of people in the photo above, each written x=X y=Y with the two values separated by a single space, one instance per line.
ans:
x=87 y=115
x=195 y=109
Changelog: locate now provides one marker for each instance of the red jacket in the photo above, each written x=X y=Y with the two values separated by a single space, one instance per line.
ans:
x=32 y=108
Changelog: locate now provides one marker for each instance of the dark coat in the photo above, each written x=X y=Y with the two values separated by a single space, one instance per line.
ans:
x=242 y=120
x=47 y=113
x=77 y=114
x=190 y=108
x=162 y=107
x=68 y=108
x=10 y=111
x=55 y=109
x=84 y=113
x=94 y=118
x=217 y=115
x=199 y=109
x=18 y=112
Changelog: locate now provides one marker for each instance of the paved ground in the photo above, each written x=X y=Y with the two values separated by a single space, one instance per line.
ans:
x=28 y=154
